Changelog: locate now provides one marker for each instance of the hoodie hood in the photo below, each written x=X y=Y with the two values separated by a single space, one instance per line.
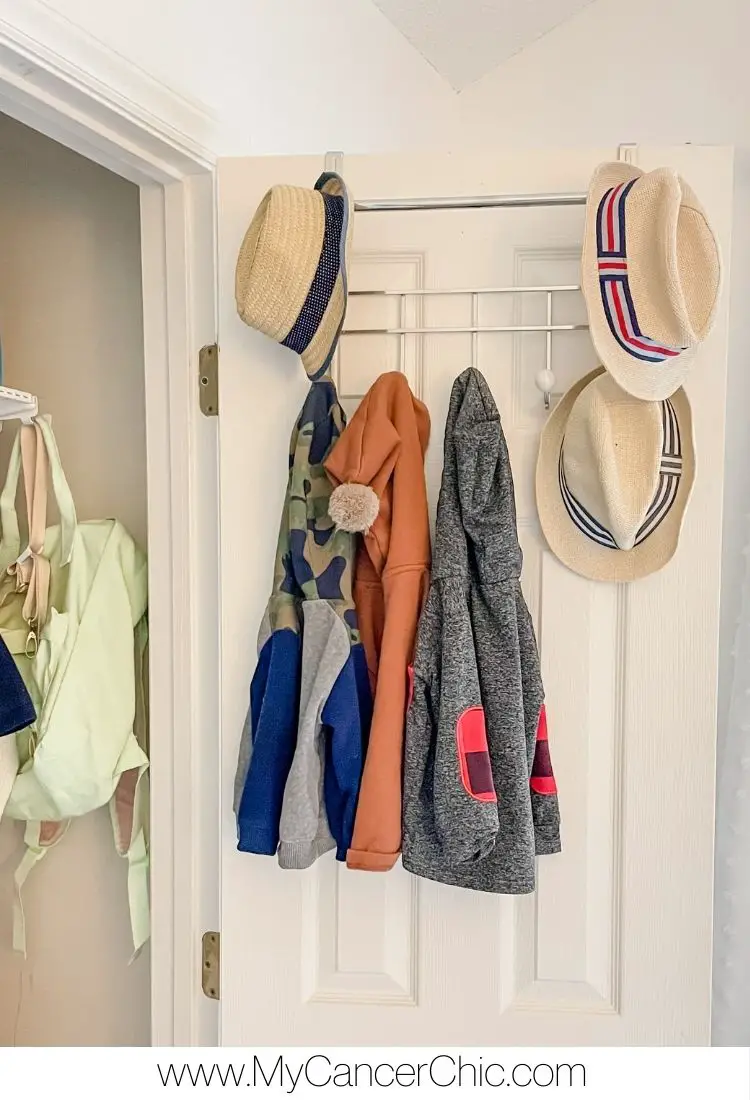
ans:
x=476 y=518
x=314 y=560
x=378 y=469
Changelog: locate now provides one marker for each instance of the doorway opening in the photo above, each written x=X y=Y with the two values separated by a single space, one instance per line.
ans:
x=71 y=327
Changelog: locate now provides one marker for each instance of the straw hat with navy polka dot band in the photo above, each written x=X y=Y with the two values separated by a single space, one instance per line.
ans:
x=291 y=277
x=613 y=479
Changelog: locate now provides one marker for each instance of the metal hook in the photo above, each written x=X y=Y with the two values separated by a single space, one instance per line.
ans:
x=545 y=379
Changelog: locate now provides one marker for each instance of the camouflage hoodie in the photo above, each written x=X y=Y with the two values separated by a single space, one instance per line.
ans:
x=302 y=748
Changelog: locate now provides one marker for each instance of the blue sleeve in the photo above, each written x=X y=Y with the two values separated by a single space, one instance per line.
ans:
x=346 y=719
x=274 y=713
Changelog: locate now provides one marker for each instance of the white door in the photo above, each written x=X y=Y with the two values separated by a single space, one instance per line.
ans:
x=615 y=946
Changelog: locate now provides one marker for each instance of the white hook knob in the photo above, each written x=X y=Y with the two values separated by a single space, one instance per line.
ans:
x=545 y=381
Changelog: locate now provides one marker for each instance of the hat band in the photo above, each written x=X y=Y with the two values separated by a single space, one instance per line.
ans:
x=614 y=283
x=324 y=281
x=670 y=471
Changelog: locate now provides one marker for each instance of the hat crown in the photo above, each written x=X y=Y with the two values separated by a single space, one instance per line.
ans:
x=291 y=275
x=611 y=457
x=476 y=527
x=673 y=259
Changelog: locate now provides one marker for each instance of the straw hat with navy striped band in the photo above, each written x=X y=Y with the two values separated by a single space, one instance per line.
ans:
x=291 y=277
x=613 y=479
x=651 y=274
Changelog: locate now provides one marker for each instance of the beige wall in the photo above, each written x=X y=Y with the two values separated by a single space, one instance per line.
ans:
x=71 y=329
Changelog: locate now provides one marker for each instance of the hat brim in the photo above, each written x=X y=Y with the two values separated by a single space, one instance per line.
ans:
x=567 y=542
x=650 y=382
x=318 y=355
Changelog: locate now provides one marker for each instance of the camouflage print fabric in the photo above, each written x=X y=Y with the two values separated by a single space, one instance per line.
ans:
x=302 y=749
x=314 y=561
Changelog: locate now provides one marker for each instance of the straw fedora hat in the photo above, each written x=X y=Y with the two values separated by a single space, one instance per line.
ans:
x=651 y=274
x=291 y=277
x=613 y=479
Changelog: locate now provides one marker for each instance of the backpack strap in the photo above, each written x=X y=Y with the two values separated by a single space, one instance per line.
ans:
x=61 y=490
x=32 y=570
x=10 y=546
x=129 y=808
x=8 y=768
x=127 y=814
x=39 y=837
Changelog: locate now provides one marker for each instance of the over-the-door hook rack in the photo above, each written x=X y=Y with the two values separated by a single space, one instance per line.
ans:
x=545 y=378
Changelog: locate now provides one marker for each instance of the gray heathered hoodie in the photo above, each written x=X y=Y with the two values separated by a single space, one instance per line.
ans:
x=479 y=794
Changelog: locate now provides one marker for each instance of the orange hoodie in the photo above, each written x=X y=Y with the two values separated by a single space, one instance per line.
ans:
x=378 y=468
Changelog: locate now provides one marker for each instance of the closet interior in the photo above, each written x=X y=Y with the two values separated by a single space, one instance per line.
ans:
x=71 y=329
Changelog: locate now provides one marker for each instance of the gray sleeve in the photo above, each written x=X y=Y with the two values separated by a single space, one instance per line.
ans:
x=303 y=830
x=465 y=801
x=545 y=810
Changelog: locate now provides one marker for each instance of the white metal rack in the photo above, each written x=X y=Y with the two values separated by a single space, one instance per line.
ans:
x=17 y=405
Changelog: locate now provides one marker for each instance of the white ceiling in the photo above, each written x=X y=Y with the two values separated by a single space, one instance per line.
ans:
x=464 y=39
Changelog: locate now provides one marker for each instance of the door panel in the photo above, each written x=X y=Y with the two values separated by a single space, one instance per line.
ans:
x=615 y=946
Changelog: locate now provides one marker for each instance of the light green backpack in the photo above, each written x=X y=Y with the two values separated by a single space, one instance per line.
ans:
x=72 y=613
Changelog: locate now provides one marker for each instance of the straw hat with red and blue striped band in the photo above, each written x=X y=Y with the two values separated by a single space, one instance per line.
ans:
x=651 y=274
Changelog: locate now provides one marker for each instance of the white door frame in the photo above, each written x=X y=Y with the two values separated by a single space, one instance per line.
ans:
x=57 y=79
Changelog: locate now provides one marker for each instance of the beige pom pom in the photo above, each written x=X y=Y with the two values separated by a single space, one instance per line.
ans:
x=354 y=507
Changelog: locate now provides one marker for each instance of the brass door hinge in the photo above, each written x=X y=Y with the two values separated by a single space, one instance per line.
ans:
x=211 y=960
x=208 y=379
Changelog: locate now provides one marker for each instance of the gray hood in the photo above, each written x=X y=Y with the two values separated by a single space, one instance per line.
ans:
x=476 y=494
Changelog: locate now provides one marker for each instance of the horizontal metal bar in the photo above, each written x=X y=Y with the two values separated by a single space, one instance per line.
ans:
x=425 y=292
x=467 y=328
x=468 y=202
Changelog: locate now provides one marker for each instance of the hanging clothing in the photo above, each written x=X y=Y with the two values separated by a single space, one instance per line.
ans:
x=73 y=614
x=378 y=468
x=480 y=798
x=302 y=748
